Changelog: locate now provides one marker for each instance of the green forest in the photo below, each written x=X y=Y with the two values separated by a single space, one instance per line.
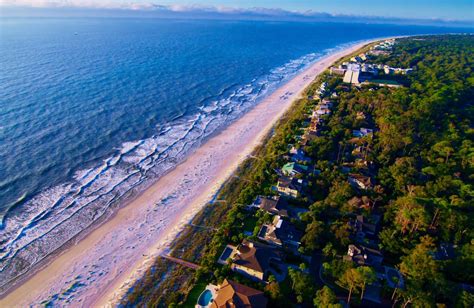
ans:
x=415 y=206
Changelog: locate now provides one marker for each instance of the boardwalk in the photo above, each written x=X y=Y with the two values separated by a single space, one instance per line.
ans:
x=181 y=262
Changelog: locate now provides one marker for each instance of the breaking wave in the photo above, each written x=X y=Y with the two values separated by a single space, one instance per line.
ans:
x=40 y=225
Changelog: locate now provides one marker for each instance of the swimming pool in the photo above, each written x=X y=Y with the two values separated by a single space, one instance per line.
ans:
x=205 y=298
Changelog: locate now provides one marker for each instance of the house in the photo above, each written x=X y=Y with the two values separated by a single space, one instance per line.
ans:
x=313 y=127
x=362 y=132
x=360 y=181
x=274 y=205
x=290 y=187
x=298 y=155
x=322 y=89
x=366 y=227
x=280 y=233
x=315 y=117
x=362 y=255
x=360 y=115
x=361 y=203
x=293 y=169
x=307 y=137
x=323 y=111
x=234 y=294
x=359 y=151
x=254 y=260
x=326 y=102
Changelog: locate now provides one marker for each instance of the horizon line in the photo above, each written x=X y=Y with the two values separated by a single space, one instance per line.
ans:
x=199 y=11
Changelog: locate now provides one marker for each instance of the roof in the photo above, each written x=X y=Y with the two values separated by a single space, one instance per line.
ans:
x=365 y=180
x=367 y=224
x=291 y=183
x=363 y=202
x=274 y=205
x=289 y=168
x=255 y=256
x=281 y=231
x=364 y=255
x=234 y=294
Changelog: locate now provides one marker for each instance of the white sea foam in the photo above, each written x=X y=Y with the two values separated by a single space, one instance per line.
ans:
x=48 y=220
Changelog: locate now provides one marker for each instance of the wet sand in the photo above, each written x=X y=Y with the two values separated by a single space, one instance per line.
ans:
x=99 y=269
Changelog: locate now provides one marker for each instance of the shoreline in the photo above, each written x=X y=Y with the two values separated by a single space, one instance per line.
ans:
x=180 y=194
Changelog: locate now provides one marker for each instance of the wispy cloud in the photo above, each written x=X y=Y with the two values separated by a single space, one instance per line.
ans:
x=140 y=8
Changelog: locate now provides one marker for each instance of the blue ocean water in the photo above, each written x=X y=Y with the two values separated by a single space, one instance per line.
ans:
x=93 y=109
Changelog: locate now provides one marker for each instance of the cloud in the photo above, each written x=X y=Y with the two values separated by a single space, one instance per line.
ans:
x=150 y=9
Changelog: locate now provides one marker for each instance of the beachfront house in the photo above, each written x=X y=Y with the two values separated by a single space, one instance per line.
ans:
x=362 y=255
x=280 y=233
x=234 y=294
x=254 y=260
x=293 y=169
x=274 y=205
x=297 y=154
x=322 y=89
x=290 y=187
x=322 y=111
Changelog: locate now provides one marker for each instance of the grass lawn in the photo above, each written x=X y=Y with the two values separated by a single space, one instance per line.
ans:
x=194 y=294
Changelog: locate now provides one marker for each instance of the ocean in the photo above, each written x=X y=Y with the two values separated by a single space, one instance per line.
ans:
x=94 y=110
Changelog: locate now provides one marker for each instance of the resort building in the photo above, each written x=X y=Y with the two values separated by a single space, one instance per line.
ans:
x=254 y=260
x=352 y=74
x=233 y=294
x=280 y=233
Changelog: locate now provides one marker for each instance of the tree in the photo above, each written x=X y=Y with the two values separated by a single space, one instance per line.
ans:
x=301 y=284
x=443 y=149
x=410 y=216
x=424 y=279
x=367 y=276
x=273 y=291
x=325 y=297
x=403 y=173
x=313 y=235
x=350 y=280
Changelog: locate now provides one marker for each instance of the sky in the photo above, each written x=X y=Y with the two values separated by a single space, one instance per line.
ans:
x=427 y=9
x=462 y=10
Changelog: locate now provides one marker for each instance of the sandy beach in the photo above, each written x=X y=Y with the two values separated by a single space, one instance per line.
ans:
x=100 y=268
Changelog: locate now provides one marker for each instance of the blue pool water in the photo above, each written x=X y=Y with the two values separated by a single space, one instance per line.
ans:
x=226 y=254
x=205 y=298
x=93 y=109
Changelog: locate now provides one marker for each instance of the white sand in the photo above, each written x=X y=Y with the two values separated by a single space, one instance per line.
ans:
x=99 y=269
